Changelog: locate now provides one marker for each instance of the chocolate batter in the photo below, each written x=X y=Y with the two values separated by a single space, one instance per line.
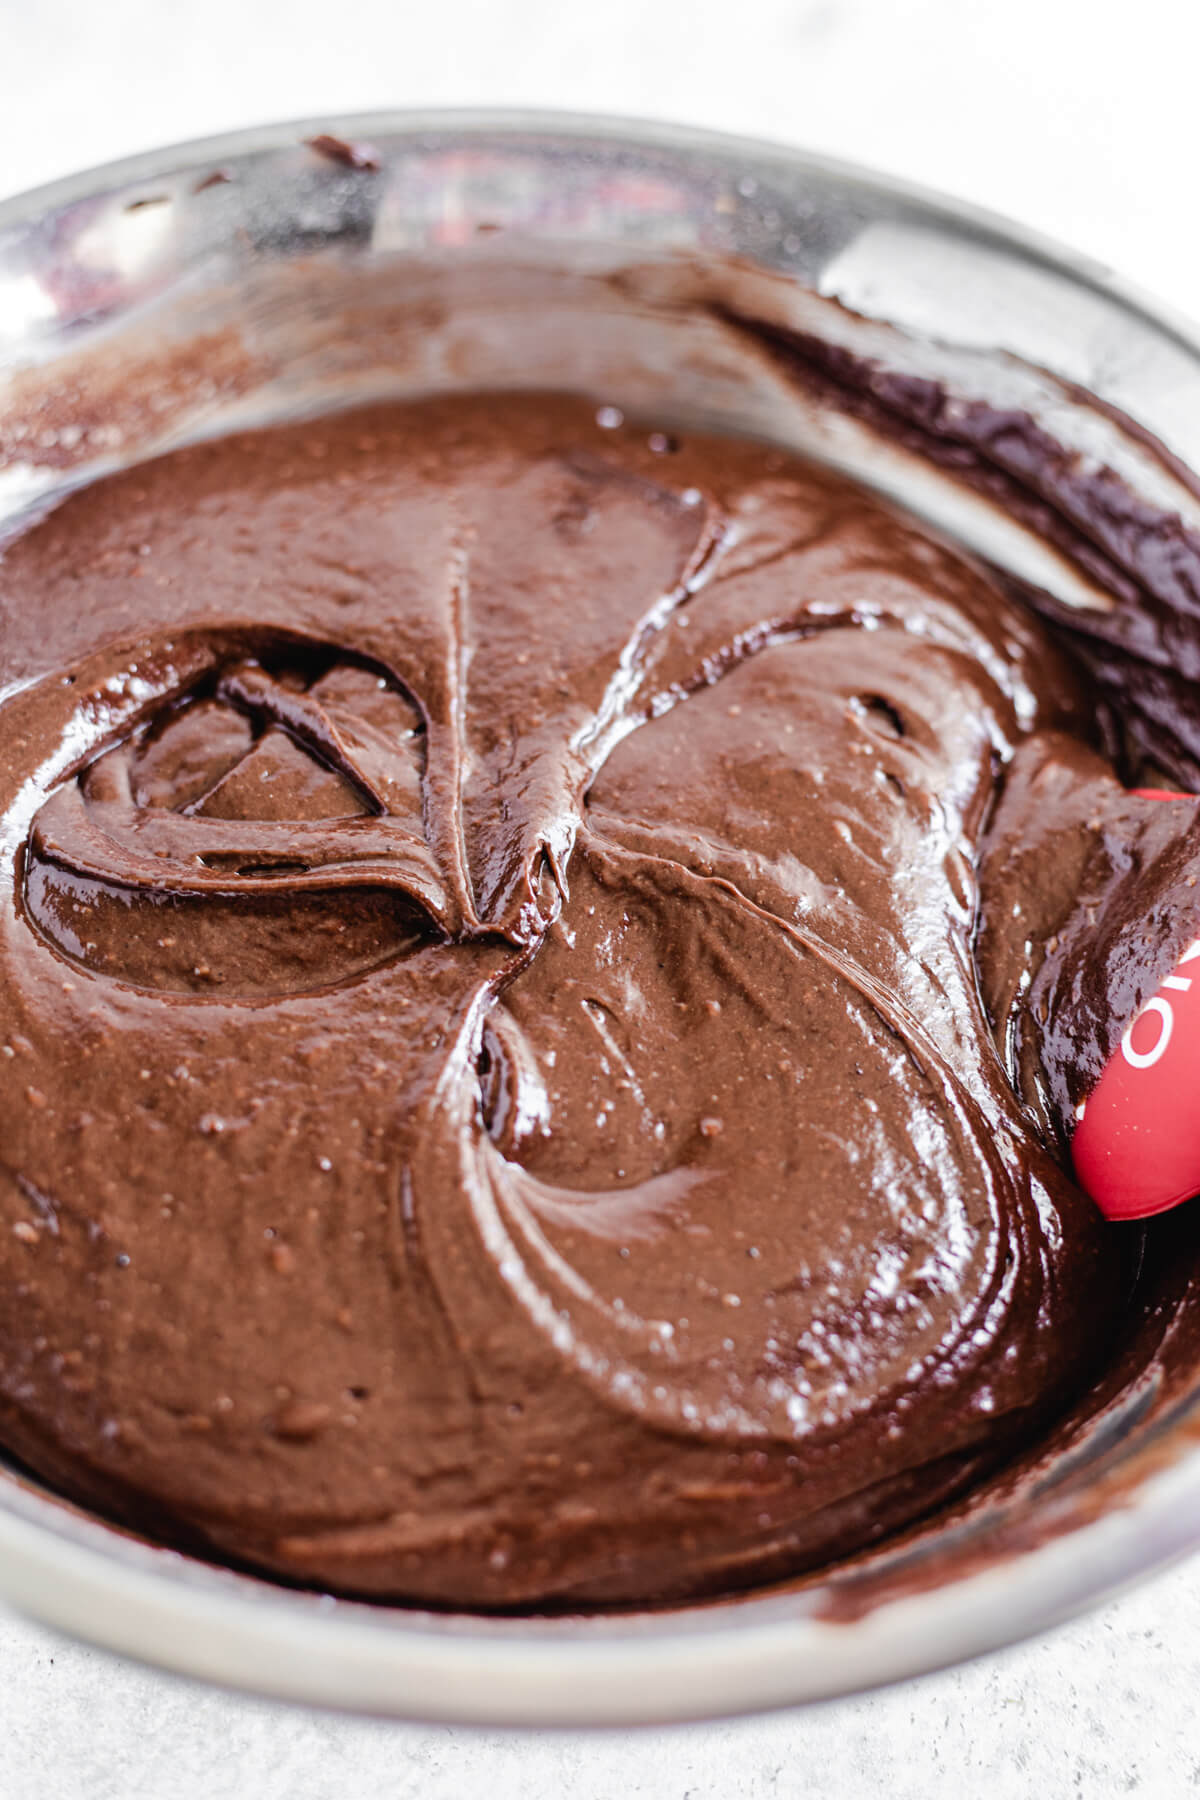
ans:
x=543 y=975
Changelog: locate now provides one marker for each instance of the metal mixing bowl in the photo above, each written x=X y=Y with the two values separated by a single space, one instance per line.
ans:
x=254 y=277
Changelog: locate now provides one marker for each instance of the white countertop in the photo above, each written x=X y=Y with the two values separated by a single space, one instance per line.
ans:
x=1014 y=105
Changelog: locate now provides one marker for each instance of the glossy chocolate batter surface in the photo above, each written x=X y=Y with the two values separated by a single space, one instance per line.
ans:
x=522 y=951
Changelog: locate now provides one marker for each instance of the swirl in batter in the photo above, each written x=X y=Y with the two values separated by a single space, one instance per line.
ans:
x=519 y=1045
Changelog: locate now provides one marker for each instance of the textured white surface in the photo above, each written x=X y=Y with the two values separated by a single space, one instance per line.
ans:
x=1077 y=117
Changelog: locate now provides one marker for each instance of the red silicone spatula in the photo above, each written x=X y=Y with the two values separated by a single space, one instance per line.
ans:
x=1136 y=1150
